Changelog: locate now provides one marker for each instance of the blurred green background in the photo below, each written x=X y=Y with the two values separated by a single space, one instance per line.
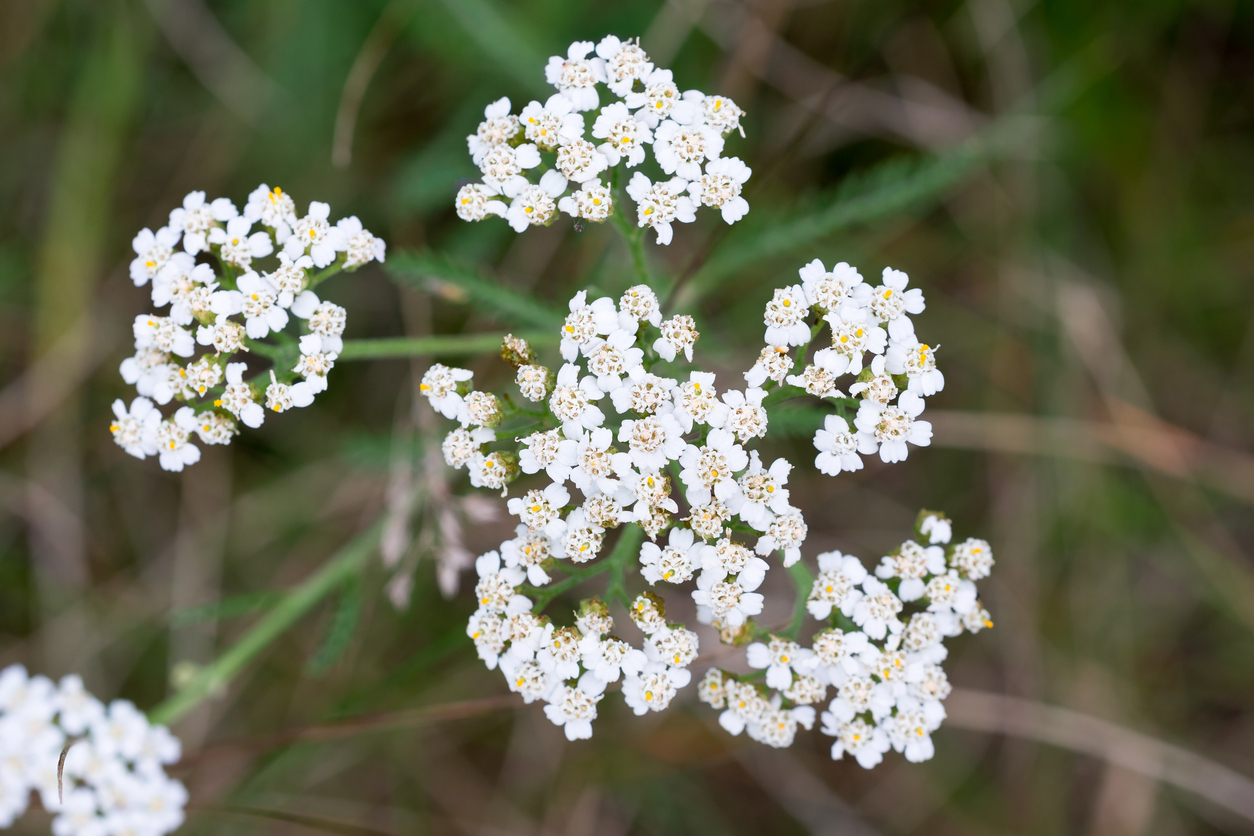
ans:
x=1072 y=185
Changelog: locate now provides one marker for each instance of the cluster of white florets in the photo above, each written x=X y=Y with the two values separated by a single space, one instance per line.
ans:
x=114 y=778
x=880 y=648
x=206 y=265
x=578 y=173
x=623 y=444
x=873 y=340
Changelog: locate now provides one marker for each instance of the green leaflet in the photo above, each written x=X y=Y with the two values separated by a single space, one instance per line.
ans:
x=428 y=271
x=341 y=629
x=233 y=607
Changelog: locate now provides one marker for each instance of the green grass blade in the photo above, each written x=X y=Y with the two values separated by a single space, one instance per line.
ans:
x=233 y=607
x=447 y=345
x=341 y=630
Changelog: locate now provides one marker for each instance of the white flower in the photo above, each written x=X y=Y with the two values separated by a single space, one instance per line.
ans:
x=645 y=394
x=867 y=742
x=239 y=399
x=497 y=128
x=777 y=727
x=611 y=358
x=785 y=317
x=135 y=429
x=836 y=655
x=495 y=589
x=710 y=469
x=487 y=630
x=659 y=204
x=888 y=428
x=149 y=372
x=528 y=550
x=152 y=251
x=574 y=709
x=571 y=402
x=257 y=299
x=173 y=449
x=786 y=533
x=679 y=334
x=910 y=729
x=654 y=687
x=360 y=245
x=184 y=285
x=586 y=321
x=762 y=494
x=527 y=679
x=780 y=658
x=462 y=444
x=731 y=601
x=972 y=558
x=439 y=385
x=744 y=705
x=917 y=361
x=696 y=402
x=912 y=563
x=163 y=333
x=196 y=217
x=480 y=409
x=719 y=112
x=476 y=201
x=936 y=528
x=559 y=652
x=660 y=100
x=682 y=149
x=675 y=646
x=225 y=336
x=314 y=363
x=652 y=441
x=676 y=563
x=76 y=707
x=607 y=658
x=949 y=593
x=315 y=235
x=582 y=539
x=280 y=397
x=773 y=363
x=720 y=187
x=817 y=381
x=854 y=332
x=624 y=135
x=534 y=205
x=551 y=124
x=215 y=428
x=876 y=611
x=594 y=460
x=890 y=302
x=502 y=167
x=836 y=586
x=274 y=208
x=625 y=62
x=837 y=446
x=550 y=452
x=542 y=510
x=639 y=304
x=591 y=201
x=494 y=471
x=879 y=387
x=326 y=319
x=746 y=417
x=576 y=75
x=238 y=246
x=832 y=290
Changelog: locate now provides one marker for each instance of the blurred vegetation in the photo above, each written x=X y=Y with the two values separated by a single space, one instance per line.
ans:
x=1072 y=184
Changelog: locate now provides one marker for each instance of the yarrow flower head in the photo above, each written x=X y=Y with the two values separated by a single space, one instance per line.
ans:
x=223 y=291
x=612 y=107
x=114 y=778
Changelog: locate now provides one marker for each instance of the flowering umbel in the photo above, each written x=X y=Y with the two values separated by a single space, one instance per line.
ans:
x=114 y=777
x=623 y=446
x=232 y=279
x=611 y=107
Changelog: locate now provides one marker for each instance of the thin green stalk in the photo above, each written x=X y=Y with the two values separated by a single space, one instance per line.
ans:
x=450 y=344
x=634 y=237
x=801 y=576
x=326 y=273
x=547 y=594
x=624 y=550
x=295 y=604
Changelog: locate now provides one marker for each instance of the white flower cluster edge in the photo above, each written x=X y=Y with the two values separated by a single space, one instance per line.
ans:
x=633 y=441
x=646 y=109
x=204 y=265
x=114 y=777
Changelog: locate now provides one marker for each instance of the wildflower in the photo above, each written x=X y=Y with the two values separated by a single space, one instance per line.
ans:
x=534 y=205
x=238 y=398
x=326 y=319
x=551 y=124
x=911 y=563
x=785 y=317
x=174 y=451
x=674 y=564
x=746 y=417
x=719 y=112
x=571 y=402
x=652 y=441
x=831 y=290
x=257 y=299
x=682 y=149
x=576 y=76
x=867 y=742
x=708 y=520
x=149 y=372
x=152 y=251
x=237 y=245
x=528 y=550
x=853 y=334
x=273 y=208
x=493 y=471
x=696 y=402
x=837 y=447
x=594 y=465
x=135 y=429
x=585 y=322
x=645 y=394
x=890 y=302
x=608 y=658
x=972 y=558
x=592 y=201
x=196 y=217
x=660 y=100
x=710 y=470
x=215 y=428
x=185 y=286
x=917 y=361
x=582 y=539
x=731 y=601
x=315 y=235
x=876 y=611
x=475 y=201
x=164 y=334
x=654 y=687
x=281 y=397
x=502 y=167
x=679 y=334
x=936 y=528
x=721 y=186
x=773 y=363
x=481 y=409
x=499 y=127
x=439 y=385
x=762 y=494
x=625 y=63
x=360 y=246
x=780 y=657
x=611 y=358
x=819 y=382
x=659 y=204
x=888 y=428
x=314 y=363
x=540 y=510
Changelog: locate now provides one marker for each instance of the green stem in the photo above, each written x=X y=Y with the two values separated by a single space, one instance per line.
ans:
x=449 y=344
x=634 y=237
x=805 y=582
x=324 y=274
x=543 y=596
x=624 y=551
x=215 y=677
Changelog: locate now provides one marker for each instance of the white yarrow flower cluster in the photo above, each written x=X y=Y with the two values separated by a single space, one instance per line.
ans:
x=221 y=298
x=882 y=663
x=575 y=141
x=114 y=778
